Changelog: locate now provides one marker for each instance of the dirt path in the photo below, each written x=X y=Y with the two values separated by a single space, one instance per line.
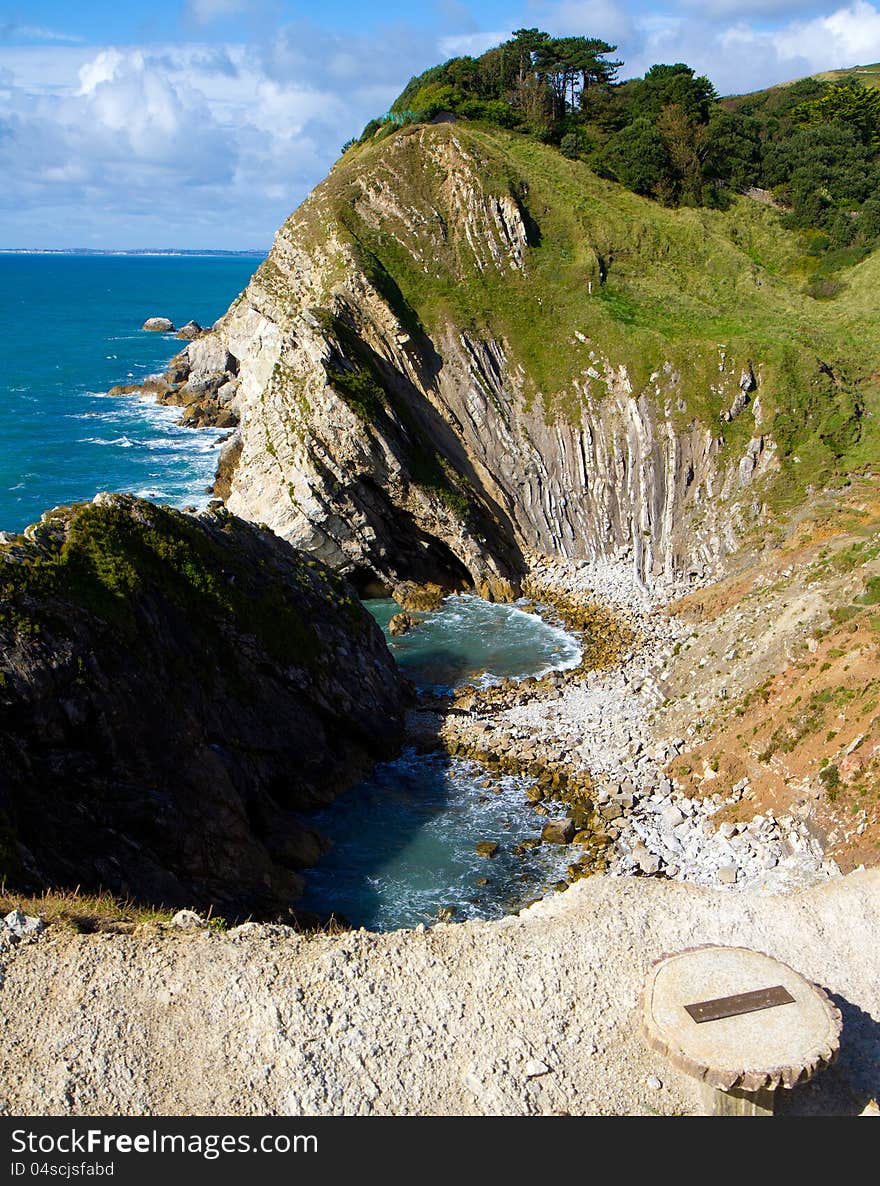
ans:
x=532 y=1014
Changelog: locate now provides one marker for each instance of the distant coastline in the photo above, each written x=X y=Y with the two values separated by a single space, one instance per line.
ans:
x=254 y=252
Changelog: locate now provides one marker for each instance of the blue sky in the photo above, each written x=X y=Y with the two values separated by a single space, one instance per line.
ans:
x=203 y=123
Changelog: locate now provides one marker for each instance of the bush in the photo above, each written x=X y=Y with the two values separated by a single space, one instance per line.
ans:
x=636 y=157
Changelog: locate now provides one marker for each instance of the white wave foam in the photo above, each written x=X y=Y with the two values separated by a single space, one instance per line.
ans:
x=122 y=442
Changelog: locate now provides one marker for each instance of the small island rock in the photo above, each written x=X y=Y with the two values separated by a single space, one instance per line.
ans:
x=401 y=623
x=159 y=325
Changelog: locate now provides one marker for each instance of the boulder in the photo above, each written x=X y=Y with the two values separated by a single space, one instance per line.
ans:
x=227 y=392
x=179 y=367
x=559 y=831
x=647 y=861
x=188 y=920
x=20 y=925
x=401 y=624
x=670 y=817
x=486 y=848
x=158 y=325
x=209 y=358
x=410 y=596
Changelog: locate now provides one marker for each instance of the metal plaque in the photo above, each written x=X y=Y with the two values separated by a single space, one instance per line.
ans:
x=743 y=1002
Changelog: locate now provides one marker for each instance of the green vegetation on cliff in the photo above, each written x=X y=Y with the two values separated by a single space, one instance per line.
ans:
x=815 y=143
x=610 y=276
x=105 y=556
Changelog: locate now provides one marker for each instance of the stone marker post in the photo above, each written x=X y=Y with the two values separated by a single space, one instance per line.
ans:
x=742 y=1023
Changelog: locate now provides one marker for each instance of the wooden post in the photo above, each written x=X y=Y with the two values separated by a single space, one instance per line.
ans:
x=738 y=1103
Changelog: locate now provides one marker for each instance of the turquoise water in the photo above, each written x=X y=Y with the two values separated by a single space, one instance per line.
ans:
x=72 y=326
x=473 y=641
x=404 y=839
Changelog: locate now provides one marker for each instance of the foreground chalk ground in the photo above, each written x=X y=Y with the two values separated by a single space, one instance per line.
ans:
x=535 y=1014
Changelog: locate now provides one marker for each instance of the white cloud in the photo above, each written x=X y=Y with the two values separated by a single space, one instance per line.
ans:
x=590 y=18
x=38 y=33
x=471 y=44
x=848 y=37
x=740 y=57
x=193 y=144
x=764 y=10
x=213 y=144
x=103 y=68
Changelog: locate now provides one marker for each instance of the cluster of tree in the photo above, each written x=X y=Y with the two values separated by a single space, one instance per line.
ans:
x=534 y=83
x=814 y=144
x=817 y=148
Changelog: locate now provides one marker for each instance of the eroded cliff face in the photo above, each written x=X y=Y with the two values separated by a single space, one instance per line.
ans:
x=174 y=691
x=395 y=445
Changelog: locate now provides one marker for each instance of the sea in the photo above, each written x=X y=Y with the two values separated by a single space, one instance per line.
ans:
x=404 y=840
x=73 y=330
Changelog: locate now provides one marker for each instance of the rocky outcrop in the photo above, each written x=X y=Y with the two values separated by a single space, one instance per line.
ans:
x=397 y=445
x=202 y=379
x=158 y=325
x=402 y=624
x=190 y=331
x=174 y=690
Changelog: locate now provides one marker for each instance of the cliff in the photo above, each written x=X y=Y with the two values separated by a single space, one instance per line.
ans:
x=536 y=1014
x=174 y=689
x=465 y=349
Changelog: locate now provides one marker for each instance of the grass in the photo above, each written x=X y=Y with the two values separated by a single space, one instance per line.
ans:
x=867 y=75
x=106 y=558
x=85 y=913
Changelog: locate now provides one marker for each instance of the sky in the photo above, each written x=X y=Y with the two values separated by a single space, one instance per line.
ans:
x=204 y=123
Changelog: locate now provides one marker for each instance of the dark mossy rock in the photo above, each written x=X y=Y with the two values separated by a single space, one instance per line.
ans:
x=486 y=848
x=175 y=690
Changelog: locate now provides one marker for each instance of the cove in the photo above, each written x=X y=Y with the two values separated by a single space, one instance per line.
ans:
x=404 y=839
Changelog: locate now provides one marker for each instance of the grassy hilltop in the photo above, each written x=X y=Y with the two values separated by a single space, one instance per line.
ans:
x=643 y=239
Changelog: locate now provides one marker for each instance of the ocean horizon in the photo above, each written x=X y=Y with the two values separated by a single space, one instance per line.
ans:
x=255 y=253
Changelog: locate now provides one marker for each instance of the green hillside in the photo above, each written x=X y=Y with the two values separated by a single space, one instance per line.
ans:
x=645 y=284
x=868 y=75
x=813 y=145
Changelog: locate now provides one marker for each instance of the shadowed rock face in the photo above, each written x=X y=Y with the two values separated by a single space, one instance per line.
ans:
x=395 y=446
x=173 y=690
